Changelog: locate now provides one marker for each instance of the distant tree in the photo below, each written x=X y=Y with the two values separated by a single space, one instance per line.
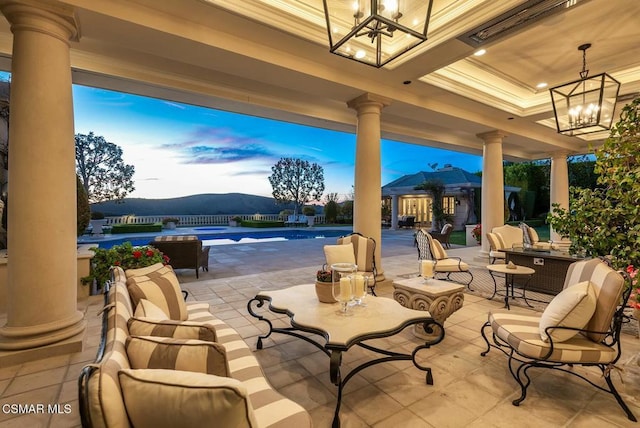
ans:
x=436 y=188
x=103 y=173
x=346 y=210
x=83 y=211
x=331 y=197
x=297 y=181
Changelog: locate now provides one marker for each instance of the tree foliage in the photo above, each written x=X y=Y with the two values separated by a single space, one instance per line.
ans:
x=606 y=220
x=82 y=206
x=297 y=181
x=436 y=188
x=103 y=173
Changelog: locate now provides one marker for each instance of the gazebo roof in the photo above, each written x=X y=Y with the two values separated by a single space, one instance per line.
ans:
x=449 y=175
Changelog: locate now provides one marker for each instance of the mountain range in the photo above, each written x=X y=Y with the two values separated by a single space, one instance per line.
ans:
x=227 y=203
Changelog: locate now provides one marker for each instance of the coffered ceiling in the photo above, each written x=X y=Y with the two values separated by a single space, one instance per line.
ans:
x=270 y=58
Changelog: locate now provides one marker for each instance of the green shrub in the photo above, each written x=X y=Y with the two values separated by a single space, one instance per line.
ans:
x=309 y=211
x=170 y=220
x=136 y=228
x=331 y=211
x=125 y=256
x=262 y=223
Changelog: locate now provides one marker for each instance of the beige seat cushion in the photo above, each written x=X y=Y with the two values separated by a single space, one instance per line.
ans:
x=451 y=265
x=170 y=398
x=572 y=307
x=161 y=287
x=149 y=352
x=143 y=271
x=522 y=333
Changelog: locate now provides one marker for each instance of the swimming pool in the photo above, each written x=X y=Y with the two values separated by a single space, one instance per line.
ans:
x=231 y=238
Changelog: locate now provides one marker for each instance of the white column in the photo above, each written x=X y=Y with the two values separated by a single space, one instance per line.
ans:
x=367 y=187
x=492 y=184
x=394 y=212
x=559 y=193
x=42 y=291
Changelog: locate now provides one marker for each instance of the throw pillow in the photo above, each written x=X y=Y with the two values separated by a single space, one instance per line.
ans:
x=170 y=398
x=172 y=328
x=148 y=352
x=525 y=234
x=161 y=287
x=146 y=309
x=143 y=270
x=573 y=307
x=533 y=235
x=340 y=253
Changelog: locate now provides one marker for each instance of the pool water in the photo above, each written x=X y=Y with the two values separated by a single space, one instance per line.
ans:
x=232 y=238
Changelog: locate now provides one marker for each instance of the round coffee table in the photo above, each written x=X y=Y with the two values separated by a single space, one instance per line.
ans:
x=509 y=274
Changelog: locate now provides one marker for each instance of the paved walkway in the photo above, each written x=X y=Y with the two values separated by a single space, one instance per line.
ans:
x=468 y=390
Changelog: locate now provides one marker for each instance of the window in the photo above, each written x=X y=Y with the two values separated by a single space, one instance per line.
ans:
x=449 y=205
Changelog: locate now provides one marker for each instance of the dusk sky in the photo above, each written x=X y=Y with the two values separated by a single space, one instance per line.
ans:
x=179 y=149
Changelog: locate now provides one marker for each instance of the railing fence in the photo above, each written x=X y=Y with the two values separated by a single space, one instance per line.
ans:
x=198 y=220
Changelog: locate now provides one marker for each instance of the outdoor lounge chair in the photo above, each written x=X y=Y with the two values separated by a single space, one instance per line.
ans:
x=431 y=249
x=184 y=251
x=358 y=249
x=444 y=235
x=586 y=332
x=496 y=245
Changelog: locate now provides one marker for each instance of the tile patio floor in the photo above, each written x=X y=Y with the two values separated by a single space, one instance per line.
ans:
x=468 y=390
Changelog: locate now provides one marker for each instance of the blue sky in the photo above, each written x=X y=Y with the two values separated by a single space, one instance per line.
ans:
x=179 y=149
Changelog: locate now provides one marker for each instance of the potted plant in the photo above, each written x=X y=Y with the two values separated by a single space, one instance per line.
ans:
x=125 y=256
x=170 y=222
x=235 y=221
x=97 y=221
x=324 y=284
x=310 y=213
x=477 y=233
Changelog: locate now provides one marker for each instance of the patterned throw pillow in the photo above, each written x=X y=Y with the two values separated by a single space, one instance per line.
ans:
x=161 y=287
x=148 y=352
x=525 y=234
x=153 y=397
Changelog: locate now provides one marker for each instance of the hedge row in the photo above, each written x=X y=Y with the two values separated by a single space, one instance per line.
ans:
x=262 y=223
x=136 y=228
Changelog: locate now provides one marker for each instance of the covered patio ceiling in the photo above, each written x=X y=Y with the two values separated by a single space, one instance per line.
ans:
x=270 y=58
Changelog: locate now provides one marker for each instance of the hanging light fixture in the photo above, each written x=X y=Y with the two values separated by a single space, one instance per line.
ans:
x=585 y=105
x=375 y=32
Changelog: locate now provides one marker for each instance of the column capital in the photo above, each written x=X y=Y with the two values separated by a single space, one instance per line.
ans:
x=54 y=19
x=560 y=154
x=368 y=99
x=492 y=136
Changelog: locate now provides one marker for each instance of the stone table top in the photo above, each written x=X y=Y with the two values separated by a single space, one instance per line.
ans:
x=381 y=317
x=519 y=270
x=431 y=287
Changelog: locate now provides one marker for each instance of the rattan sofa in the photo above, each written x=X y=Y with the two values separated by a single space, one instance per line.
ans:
x=186 y=394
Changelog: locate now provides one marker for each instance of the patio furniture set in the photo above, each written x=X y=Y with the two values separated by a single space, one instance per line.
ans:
x=135 y=381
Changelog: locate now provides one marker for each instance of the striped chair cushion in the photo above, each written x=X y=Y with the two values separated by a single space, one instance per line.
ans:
x=170 y=328
x=495 y=243
x=148 y=352
x=364 y=249
x=174 y=238
x=608 y=286
x=161 y=288
x=143 y=270
x=170 y=398
x=147 y=309
x=501 y=241
x=522 y=333
x=437 y=250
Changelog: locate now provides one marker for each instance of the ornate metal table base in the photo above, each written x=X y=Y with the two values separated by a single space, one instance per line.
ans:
x=433 y=329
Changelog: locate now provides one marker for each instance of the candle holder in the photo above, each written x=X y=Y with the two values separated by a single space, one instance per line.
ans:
x=427 y=269
x=342 y=276
x=360 y=283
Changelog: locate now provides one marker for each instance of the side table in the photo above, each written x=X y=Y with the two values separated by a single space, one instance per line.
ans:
x=440 y=298
x=509 y=274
